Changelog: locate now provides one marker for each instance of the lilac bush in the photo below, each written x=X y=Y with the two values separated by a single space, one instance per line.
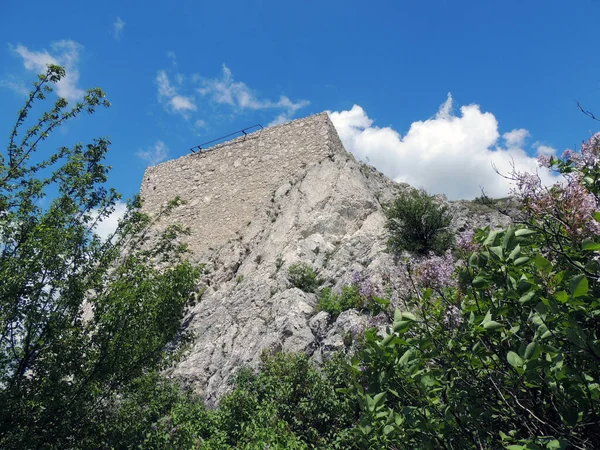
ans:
x=435 y=271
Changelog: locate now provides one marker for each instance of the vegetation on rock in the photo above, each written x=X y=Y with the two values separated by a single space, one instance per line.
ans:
x=417 y=223
x=302 y=276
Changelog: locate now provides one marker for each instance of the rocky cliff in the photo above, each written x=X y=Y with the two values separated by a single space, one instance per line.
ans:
x=326 y=210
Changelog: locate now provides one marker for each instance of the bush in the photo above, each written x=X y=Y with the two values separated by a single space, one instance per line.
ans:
x=303 y=277
x=335 y=304
x=288 y=404
x=418 y=224
x=507 y=355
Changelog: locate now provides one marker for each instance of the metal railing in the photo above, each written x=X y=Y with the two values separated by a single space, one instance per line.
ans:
x=243 y=131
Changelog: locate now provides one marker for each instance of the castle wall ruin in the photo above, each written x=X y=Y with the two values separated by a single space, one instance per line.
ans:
x=223 y=186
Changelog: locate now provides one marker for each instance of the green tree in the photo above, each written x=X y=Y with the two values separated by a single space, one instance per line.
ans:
x=80 y=318
x=418 y=223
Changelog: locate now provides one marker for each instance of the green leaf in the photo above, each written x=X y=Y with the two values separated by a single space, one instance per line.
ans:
x=473 y=260
x=492 y=325
x=397 y=315
x=408 y=316
x=491 y=238
x=479 y=282
x=515 y=252
x=527 y=298
x=532 y=351
x=556 y=444
x=509 y=238
x=522 y=260
x=488 y=317
x=578 y=286
x=514 y=360
x=590 y=245
x=524 y=232
x=388 y=429
x=541 y=263
x=561 y=296
x=498 y=252
x=402 y=326
x=405 y=357
x=379 y=399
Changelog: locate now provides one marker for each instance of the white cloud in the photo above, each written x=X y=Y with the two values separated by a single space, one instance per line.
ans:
x=109 y=224
x=171 y=99
x=181 y=103
x=450 y=154
x=545 y=150
x=64 y=53
x=516 y=138
x=158 y=153
x=281 y=118
x=118 y=26
x=226 y=91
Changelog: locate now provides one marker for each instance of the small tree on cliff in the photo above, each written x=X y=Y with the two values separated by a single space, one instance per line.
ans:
x=61 y=370
x=418 y=224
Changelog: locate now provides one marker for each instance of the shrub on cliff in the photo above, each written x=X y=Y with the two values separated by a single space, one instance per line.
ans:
x=418 y=224
x=62 y=372
x=302 y=276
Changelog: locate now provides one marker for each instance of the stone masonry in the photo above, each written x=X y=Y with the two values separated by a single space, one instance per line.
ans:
x=223 y=186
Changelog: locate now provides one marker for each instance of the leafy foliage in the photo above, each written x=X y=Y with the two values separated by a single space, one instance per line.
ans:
x=80 y=319
x=508 y=354
x=287 y=404
x=418 y=224
x=302 y=276
x=349 y=298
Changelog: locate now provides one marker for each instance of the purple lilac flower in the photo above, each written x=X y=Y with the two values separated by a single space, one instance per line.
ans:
x=544 y=161
x=590 y=151
x=367 y=288
x=436 y=271
x=588 y=156
x=453 y=318
x=569 y=201
x=570 y=155
x=465 y=242
x=357 y=277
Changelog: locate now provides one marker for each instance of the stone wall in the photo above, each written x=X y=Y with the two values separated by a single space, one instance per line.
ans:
x=224 y=185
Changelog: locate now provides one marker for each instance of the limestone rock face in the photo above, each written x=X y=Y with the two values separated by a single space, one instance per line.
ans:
x=328 y=214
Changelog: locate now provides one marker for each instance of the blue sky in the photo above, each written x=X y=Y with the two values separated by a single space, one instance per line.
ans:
x=182 y=73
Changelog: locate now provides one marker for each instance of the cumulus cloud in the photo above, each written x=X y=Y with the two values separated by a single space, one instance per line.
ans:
x=155 y=154
x=169 y=96
x=516 y=138
x=545 y=150
x=226 y=91
x=108 y=225
x=64 y=53
x=118 y=26
x=451 y=154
